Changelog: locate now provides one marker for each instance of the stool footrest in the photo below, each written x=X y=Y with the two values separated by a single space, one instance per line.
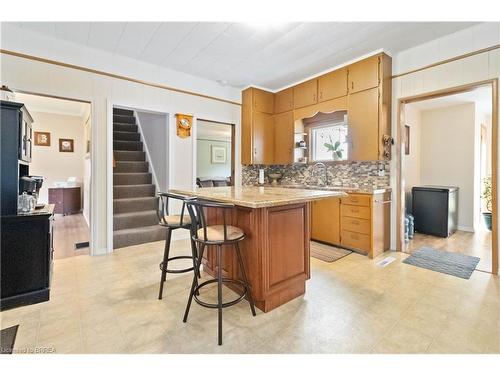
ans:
x=184 y=270
x=226 y=304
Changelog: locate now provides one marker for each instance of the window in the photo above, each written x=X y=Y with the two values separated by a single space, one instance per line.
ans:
x=329 y=142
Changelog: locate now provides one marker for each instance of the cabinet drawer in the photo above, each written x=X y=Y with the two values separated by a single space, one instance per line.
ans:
x=355 y=211
x=356 y=241
x=356 y=225
x=356 y=200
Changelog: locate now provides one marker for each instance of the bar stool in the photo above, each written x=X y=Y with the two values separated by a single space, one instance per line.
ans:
x=216 y=235
x=171 y=223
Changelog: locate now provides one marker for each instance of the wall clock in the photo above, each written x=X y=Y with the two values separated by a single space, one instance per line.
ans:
x=184 y=125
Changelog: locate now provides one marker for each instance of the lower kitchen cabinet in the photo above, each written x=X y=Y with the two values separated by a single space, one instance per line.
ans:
x=326 y=221
x=360 y=222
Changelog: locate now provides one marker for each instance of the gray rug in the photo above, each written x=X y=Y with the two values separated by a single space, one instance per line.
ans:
x=327 y=253
x=454 y=264
x=7 y=339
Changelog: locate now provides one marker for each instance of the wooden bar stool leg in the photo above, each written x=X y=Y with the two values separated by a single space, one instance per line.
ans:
x=166 y=253
x=194 y=284
x=219 y=291
x=243 y=273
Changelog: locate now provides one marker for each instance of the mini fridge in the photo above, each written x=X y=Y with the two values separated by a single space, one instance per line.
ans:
x=435 y=209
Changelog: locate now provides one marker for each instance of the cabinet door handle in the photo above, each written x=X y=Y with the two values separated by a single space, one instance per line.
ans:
x=255 y=150
x=321 y=94
x=352 y=84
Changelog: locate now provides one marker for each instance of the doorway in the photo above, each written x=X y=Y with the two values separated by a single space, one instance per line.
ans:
x=214 y=153
x=449 y=138
x=61 y=155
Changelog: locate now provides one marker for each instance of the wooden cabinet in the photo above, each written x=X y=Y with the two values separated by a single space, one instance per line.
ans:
x=363 y=88
x=326 y=221
x=257 y=128
x=263 y=101
x=283 y=101
x=67 y=201
x=305 y=94
x=369 y=109
x=360 y=222
x=363 y=128
x=364 y=74
x=365 y=223
x=332 y=85
x=283 y=138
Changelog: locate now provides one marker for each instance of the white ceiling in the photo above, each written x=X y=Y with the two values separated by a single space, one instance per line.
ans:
x=213 y=131
x=482 y=97
x=241 y=54
x=36 y=103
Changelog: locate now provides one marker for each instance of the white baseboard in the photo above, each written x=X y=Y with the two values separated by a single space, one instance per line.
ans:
x=465 y=229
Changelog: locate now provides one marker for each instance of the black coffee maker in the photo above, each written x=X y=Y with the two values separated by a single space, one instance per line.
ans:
x=31 y=185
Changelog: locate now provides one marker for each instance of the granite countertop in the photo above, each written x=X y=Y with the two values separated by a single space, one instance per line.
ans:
x=259 y=196
x=346 y=189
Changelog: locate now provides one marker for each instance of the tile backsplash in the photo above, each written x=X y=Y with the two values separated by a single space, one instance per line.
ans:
x=352 y=174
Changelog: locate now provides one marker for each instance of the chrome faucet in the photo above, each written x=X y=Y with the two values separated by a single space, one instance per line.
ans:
x=325 y=181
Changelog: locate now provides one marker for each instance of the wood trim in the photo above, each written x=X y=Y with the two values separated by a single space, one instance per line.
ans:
x=112 y=75
x=459 y=57
x=400 y=245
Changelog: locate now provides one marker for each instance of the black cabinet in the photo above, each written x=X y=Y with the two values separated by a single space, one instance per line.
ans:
x=26 y=244
x=435 y=209
x=26 y=257
x=16 y=145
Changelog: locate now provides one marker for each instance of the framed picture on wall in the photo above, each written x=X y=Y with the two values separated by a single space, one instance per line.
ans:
x=407 y=140
x=218 y=155
x=66 y=145
x=42 y=139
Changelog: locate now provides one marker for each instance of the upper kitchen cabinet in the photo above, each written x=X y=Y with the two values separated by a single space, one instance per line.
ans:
x=284 y=129
x=332 y=85
x=305 y=94
x=363 y=125
x=364 y=74
x=283 y=101
x=263 y=101
x=257 y=127
x=369 y=110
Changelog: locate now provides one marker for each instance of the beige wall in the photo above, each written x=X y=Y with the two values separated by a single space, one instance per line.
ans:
x=448 y=154
x=47 y=160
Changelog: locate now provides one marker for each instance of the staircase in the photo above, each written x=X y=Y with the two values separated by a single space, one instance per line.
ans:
x=134 y=196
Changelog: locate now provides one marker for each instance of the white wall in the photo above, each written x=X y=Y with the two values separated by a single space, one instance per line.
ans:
x=448 y=155
x=104 y=92
x=154 y=129
x=47 y=160
x=468 y=70
x=204 y=165
x=412 y=161
x=87 y=167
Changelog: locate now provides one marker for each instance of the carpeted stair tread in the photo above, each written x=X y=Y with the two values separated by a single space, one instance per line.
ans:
x=122 y=111
x=121 y=155
x=123 y=119
x=126 y=136
x=127 y=145
x=134 y=204
x=117 y=127
x=131 y=178
x=134 y=219
x=137 y=236
x=133 y=191
x=131 y=167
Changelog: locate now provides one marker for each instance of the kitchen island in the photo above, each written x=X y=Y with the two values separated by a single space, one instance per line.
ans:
x=275 y=252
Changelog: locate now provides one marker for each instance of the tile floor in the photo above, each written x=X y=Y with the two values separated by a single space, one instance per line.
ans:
x=109 y=304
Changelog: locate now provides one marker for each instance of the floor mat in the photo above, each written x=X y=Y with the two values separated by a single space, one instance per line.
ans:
x=327 y=253
x=454 y=264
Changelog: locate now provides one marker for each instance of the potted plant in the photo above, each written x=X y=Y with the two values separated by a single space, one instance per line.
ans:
x=487 y=199
x=335 y=149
